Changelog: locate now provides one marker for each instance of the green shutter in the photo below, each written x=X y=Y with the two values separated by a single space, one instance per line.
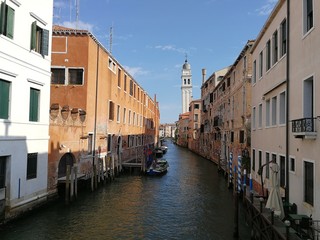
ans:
x=4 y=99
x=2 y=17
x=33 y=35
x=34 y=105
x=45 y=42
x=10 y=22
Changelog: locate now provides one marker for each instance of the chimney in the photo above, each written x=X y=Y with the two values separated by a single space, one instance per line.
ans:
x=204 y=72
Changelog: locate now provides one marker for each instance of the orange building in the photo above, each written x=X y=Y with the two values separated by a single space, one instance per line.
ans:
x=99 y=114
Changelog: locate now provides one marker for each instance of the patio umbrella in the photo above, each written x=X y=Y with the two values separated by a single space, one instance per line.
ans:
x=274 y=200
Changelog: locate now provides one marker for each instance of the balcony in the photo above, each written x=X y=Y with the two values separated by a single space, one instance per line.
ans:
x=304 y=128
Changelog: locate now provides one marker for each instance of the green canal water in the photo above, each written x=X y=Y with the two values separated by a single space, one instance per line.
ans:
x=191 y=201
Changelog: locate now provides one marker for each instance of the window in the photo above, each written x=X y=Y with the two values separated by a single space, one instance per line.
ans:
x=2 y=172
x=232 y=137
x=254 y=74
x=134 y=119
x=282 y=171
x=112 y=65
x=275 y=47
x=34 y=105
x=292 y=164
x=58 y=75
x=308 y=182
x=75 y=76
x=4 y=99
x=260 y=159
x=90 y=143
x=283 y=29
x=307 y=15
x=6 y=20
x=109 y=144
x=245 y=62
x=253 y=159
x=125 y=83
x=254 y=118
x=267 y=164
x=274 y=158
x=32 y=165
x=124 y=115
x=111 y=110
x=268 y=113
x=196 y=117
x=131 y=87
x=188 y=81
x=308 y=103
x=274 y=110
x=282 y=113
x=241 y=136
x=260 y=64
x=118 y=113
x=129 y=121
x=260 y=116
x=268 y=56
x=39 y=39
x=196 y=106
x=119 y=77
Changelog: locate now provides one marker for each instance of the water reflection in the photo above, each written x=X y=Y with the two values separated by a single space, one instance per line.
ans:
x=190 y=202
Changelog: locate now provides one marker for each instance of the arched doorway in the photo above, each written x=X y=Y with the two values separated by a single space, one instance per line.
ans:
x=67 y=159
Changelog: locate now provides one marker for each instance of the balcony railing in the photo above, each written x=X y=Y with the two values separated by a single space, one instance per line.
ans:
x=304 y=128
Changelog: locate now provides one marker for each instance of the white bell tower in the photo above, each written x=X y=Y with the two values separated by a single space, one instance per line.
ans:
x=186 y=86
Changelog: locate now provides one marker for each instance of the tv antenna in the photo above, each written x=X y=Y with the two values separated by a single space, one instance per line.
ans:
x=110 y=39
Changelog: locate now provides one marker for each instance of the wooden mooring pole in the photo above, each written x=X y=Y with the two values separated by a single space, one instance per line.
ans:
x=67 y=185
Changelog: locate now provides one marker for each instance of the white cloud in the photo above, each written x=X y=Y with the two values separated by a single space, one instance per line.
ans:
x=135 y=71
x=170 y=48
x=78 y=25
x=267 y=8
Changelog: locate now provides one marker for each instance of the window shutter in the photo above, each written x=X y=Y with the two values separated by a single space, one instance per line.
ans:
x=34 y=105
x=10 y=22
x=4 y=99
x=45 y=42
x=33 y=35
x=2 y=17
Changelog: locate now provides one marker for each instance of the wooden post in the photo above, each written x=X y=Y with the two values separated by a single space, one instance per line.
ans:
x=71 y=184
x=67 y=184
x=76 y=180
x=95 y=176
x=92 y=180
x=98 y=172
x=112 y=167
x=106 y=169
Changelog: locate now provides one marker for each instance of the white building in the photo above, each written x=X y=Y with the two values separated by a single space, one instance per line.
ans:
x=186 y=86
x=25 y=59
x=304 y=106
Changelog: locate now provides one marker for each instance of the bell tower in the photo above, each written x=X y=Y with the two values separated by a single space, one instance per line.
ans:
x=186 y=86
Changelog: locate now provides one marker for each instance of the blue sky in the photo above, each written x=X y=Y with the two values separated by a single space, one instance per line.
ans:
x=151 y=38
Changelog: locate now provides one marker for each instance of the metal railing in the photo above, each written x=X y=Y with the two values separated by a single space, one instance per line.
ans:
x=303 y=125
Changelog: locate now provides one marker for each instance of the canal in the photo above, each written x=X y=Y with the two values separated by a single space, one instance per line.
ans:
x=192 y=201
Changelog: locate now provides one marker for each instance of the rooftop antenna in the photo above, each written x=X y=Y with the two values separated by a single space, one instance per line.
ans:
x=70 y=10
x=186 y=57
x=110 y=39
x=77 y=12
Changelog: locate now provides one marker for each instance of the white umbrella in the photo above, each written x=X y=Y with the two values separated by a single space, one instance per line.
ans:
x=274 y=200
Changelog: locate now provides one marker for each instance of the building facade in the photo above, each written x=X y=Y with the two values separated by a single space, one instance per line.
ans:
x=182 y=130
x=99 y=114
x=206 y=137
x=25 y=58
x=304 y=106
x=269 y=79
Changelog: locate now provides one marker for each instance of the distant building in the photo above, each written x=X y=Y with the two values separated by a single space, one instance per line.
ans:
x=194 y=125
x=25 y=58
x=167 y=130
x=182 y=129
x=186 y=86
x=208 y=98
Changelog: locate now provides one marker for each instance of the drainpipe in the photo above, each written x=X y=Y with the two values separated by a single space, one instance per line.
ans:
x=95 y=109
x=287 y=100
